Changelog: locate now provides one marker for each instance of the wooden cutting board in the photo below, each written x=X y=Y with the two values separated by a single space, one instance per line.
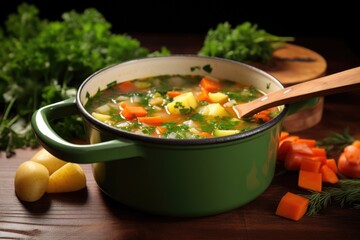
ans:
x=292 y=64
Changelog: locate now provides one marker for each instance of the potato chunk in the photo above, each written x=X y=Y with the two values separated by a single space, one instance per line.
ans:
x=101 y=117
x=183 y=101
x=51 y=162
x=218 y=97
x=214 y=110
x=68 y=178
x=31 y=181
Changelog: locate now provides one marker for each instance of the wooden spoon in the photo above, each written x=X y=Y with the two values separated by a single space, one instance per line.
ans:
x=335 y=83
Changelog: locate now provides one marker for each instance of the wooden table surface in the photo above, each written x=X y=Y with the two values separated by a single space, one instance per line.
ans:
x=89 y=214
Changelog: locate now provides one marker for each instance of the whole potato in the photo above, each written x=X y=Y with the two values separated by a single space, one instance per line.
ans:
x=31 y=181
x=51 y=162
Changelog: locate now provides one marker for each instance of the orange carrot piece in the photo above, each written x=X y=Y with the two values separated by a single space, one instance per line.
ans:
x=310 y=180
x=328 y=175
x=133 y=112
x=263 y=115
x=154 y=121
x=210 y=85
x=283 y=135
x=284 y=146
x=331 y=163
x=126 y=87
x=319 y=153
x=292 y=206
x=356 y=143
x=205 y=135
x=203 y=96
x=307 y=164
x=123 y=105
x=160 y=130
x=310 y=142
x=301 y=148
x=293 y=160
x=172 y=94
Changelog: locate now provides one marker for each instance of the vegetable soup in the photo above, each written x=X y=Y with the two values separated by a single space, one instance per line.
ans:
x=177 y=106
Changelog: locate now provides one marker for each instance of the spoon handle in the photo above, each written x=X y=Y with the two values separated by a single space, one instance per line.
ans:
x=335 y=83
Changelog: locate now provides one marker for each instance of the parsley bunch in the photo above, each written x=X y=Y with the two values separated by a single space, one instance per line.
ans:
x=243 y=43
x=42 y=62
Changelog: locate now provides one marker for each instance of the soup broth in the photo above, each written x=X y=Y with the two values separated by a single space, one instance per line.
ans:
x=177 y=106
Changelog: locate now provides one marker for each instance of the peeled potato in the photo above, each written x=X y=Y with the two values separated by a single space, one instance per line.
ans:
x=45 y=158
x=31 y=181
x=68 y=178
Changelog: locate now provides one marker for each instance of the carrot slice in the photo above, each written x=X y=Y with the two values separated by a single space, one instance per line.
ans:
x=284 y=146
x=328 y=175
x=310 y=165
x=263 y=115
x=310 y=180
x=205 y=135
x=331 y=163
x=203 y=96
x=283 y=135
x=292 y=206
x=172 y=94
x=310 y=142
x=126 y=87
x=154 y=121
x=133 y=112
x=210 y=85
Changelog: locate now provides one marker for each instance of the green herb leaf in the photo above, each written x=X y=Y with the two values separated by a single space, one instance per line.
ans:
x=346 y=194
x=243 y=43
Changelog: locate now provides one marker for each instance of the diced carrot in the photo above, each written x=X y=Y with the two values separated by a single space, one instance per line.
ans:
x=292 y=206
x=319 y=153
x=293 y=160
x=328 y=175
x=263 y=115
x=205 y=135
x=203 y=96
x=210 y=85
x=310 y=180
x=301 y=148
x=284 y=146
x=133 y=112
x=123 y=105
x=310 y=165
x=290 y=138
x=172 y=94
x=154 y=121
x=126 y=87
x=160 y=130
x=283 y=135
x=331 y=163
x=310 y=142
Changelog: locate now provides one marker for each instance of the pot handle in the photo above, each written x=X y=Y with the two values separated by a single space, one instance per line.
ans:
x=89 y=153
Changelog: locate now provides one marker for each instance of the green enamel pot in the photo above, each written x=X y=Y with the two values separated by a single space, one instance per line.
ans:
x=171 y=177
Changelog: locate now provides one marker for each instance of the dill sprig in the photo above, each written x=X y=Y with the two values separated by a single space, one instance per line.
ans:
x=336 y=141
x=346 y=194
